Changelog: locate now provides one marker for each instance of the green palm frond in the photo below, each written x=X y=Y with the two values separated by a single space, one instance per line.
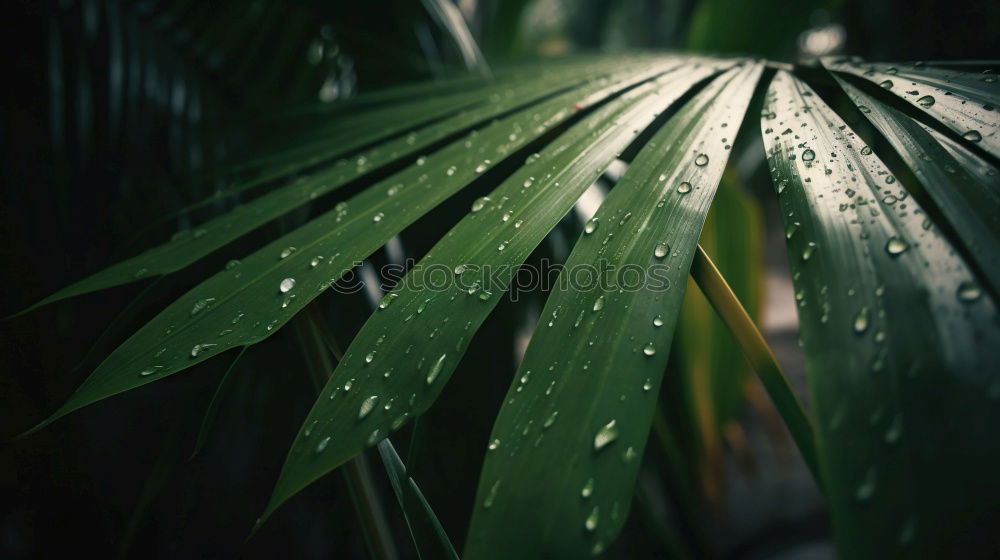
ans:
x=895 y=283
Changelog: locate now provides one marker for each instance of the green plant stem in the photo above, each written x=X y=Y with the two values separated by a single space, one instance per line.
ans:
x=759 y=354
x=316 y=340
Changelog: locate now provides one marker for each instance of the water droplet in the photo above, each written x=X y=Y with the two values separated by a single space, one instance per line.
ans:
x=887 y=84
x=866 y=150
x=684 y=187
x=436 y=369
x=629 y=454
x=607 y=434
x=647 y=385
x=926 y=101
x=649 y=350
x=896 y=246
x=491 y=496
x=378 y=217
x=232 y=264
x=861 y=321
x=494 y=444
x=370 y=357
x=591 y=522
x=808 y=251
x=199 y=348
x=315 y=261
x=480 y=203
x=587 y=489
x=309 y=429
x=808 y=155
x=550 y=420
x=662 y=249
x=387 y=300
x=286 y=252
x=973 y=136
x=506 y=216
x=599 y=304
x=200 y=306
x=867 y=487
x=483 y=166
x=969 y=291
x=591 y=226
x=367 y=406
x=150 y=371
x=528 y=182
x=451 y=171
x=321 y=446
x=658 y=321
x=286 y=285
x=701 y=160
x=782 y=185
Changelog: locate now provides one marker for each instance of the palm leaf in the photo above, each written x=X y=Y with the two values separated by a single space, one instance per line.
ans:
x=566 y=445
x=961 y=184
x=405 y=353
x=899 y=339
x=189 y=246
x=248 y=301
x=962 y=101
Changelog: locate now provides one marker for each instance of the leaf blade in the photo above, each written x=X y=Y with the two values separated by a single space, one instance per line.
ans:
x=888 y=337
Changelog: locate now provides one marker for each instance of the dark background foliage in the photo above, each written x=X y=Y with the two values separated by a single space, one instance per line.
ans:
x=121 y=113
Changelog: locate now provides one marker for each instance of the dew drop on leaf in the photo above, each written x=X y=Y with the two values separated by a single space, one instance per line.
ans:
x=658 y=321
x=701 y=160
x=387 y=300
x=685 y=187
x=926 y=101
x=491 y=496
x=591 y=523
x=199 y=348
x=480 y=203
x=367 y=406
x=436 y=369
x=286 y=285
x=607 y=434
x=661 y=250
x=861 y=321
x=973 y=136
x=969 y=291
x=808 y=155
x=591 y=226
x=896 y=246
x=286 y=252
x=587 y=489
x=321 y=446
x=649 y=349
x=200 y=305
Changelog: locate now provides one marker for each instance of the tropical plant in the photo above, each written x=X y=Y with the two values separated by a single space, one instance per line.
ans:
x=886 y=177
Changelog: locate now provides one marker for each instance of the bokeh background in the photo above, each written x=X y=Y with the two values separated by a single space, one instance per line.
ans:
x=120 y=113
